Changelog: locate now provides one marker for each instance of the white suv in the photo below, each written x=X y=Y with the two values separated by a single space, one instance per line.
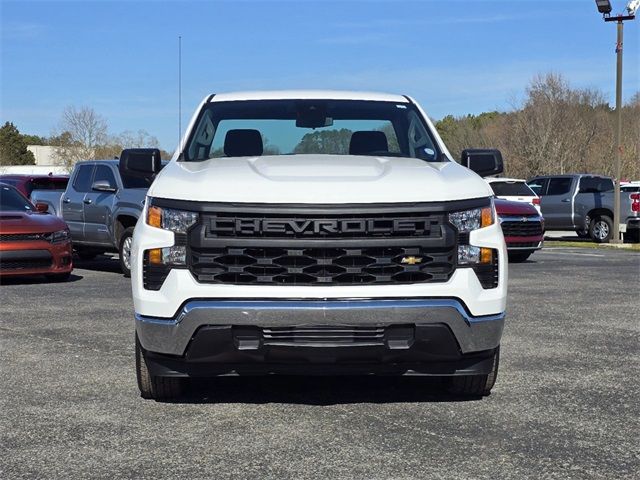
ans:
x=515 y=190
x=307 y=232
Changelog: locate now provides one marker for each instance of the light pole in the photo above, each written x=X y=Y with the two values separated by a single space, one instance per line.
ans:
x=604 y=7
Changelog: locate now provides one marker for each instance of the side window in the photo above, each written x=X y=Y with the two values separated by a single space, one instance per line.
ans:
x=559 y=186
x=48 y=184
x=104 y=173
x=595 y=185
x=420 y=144
x=538 y=186
x=82 y=182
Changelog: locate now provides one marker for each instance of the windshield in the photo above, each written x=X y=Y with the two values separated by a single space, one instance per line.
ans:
x=511 y=189
x=326 y=127
x=12 y=201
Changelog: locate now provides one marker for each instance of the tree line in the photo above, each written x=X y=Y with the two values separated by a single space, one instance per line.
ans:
x=82 y=134
x=555 y=129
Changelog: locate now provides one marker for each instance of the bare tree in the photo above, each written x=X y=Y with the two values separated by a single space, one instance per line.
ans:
x=81 y=132
x=556 y=129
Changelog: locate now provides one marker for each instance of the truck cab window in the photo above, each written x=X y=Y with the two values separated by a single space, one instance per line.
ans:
x=559 y=186
x=104 y=173
x=82 y=182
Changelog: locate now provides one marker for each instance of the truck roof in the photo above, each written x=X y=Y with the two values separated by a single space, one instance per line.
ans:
x=504 y=179
x=104 y=162
x=307 y=95
x=570 y=175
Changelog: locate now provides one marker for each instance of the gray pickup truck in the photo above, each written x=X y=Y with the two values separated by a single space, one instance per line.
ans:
x=101 y=207
x=584 y=203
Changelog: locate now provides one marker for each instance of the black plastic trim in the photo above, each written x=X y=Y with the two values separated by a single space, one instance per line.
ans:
x=320 y=209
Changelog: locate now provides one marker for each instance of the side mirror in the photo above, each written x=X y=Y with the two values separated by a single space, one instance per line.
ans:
x=484 y=162
x=42 y=207
x=103 y=186
x=140 y=162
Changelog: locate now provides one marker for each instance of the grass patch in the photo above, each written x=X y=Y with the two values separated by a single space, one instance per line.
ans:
x=586 y=244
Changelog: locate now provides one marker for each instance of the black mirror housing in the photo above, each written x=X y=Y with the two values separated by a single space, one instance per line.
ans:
x=140 y=162
x=483 y=161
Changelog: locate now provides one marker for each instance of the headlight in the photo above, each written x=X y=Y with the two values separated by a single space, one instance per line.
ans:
x=465 y=222
x=178 y=221
x=61 y=236
x=468 y=220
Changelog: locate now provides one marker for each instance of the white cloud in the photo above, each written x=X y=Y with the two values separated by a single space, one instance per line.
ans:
x=21 y=30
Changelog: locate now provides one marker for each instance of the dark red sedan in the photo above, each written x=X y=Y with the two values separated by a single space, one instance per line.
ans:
x=32 y=242
x=522 y=226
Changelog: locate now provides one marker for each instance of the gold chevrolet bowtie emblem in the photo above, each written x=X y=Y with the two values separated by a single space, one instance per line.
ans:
x=411 y=260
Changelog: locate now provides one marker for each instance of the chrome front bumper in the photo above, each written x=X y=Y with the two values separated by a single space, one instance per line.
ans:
x=172 y=335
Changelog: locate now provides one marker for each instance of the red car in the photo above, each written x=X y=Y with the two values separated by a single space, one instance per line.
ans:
x=32 y=242
x=522 y=226
x=26 y=184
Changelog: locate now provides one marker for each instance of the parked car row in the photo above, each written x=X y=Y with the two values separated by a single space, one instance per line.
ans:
x=579 y=202
x=101 y=207
x=584 y=203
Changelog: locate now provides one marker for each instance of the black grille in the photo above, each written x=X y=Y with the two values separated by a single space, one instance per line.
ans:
x=323 y=335
x=322 y=266
x=322 y=246
x=527 y=228
x=24 y=237
x=389 y=336
x=25 y=263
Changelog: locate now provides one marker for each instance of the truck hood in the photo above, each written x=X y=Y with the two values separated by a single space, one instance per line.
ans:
x=317 y=179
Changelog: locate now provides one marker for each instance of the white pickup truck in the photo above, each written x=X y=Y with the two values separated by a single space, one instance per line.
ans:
x=317 y=232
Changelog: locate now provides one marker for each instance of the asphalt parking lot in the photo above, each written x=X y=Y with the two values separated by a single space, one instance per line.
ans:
x=566 y=404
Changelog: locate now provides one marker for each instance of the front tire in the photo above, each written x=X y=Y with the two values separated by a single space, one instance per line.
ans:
x=152 y=387
x=601 y=229
x=124 y=251
x=476 y=385
x=632 y=236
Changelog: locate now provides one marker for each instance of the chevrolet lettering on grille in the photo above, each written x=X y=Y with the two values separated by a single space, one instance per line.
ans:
x=317 y=227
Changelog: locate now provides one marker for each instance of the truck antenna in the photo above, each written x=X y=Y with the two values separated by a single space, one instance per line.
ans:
x=179 y=90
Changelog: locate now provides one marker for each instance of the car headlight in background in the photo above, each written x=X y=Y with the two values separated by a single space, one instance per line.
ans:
x=176 y=221
x=61 y=236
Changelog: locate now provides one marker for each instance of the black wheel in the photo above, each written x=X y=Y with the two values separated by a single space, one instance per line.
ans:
x=583 y=233
x=86 y=253
x=476 y=385
x=519 y=257
x=59 y=277
x=600 y=229
x=632 y=236
x=156 y=388
x=124 y=251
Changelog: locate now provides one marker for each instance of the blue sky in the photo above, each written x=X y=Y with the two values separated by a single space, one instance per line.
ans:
x=454 y=57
